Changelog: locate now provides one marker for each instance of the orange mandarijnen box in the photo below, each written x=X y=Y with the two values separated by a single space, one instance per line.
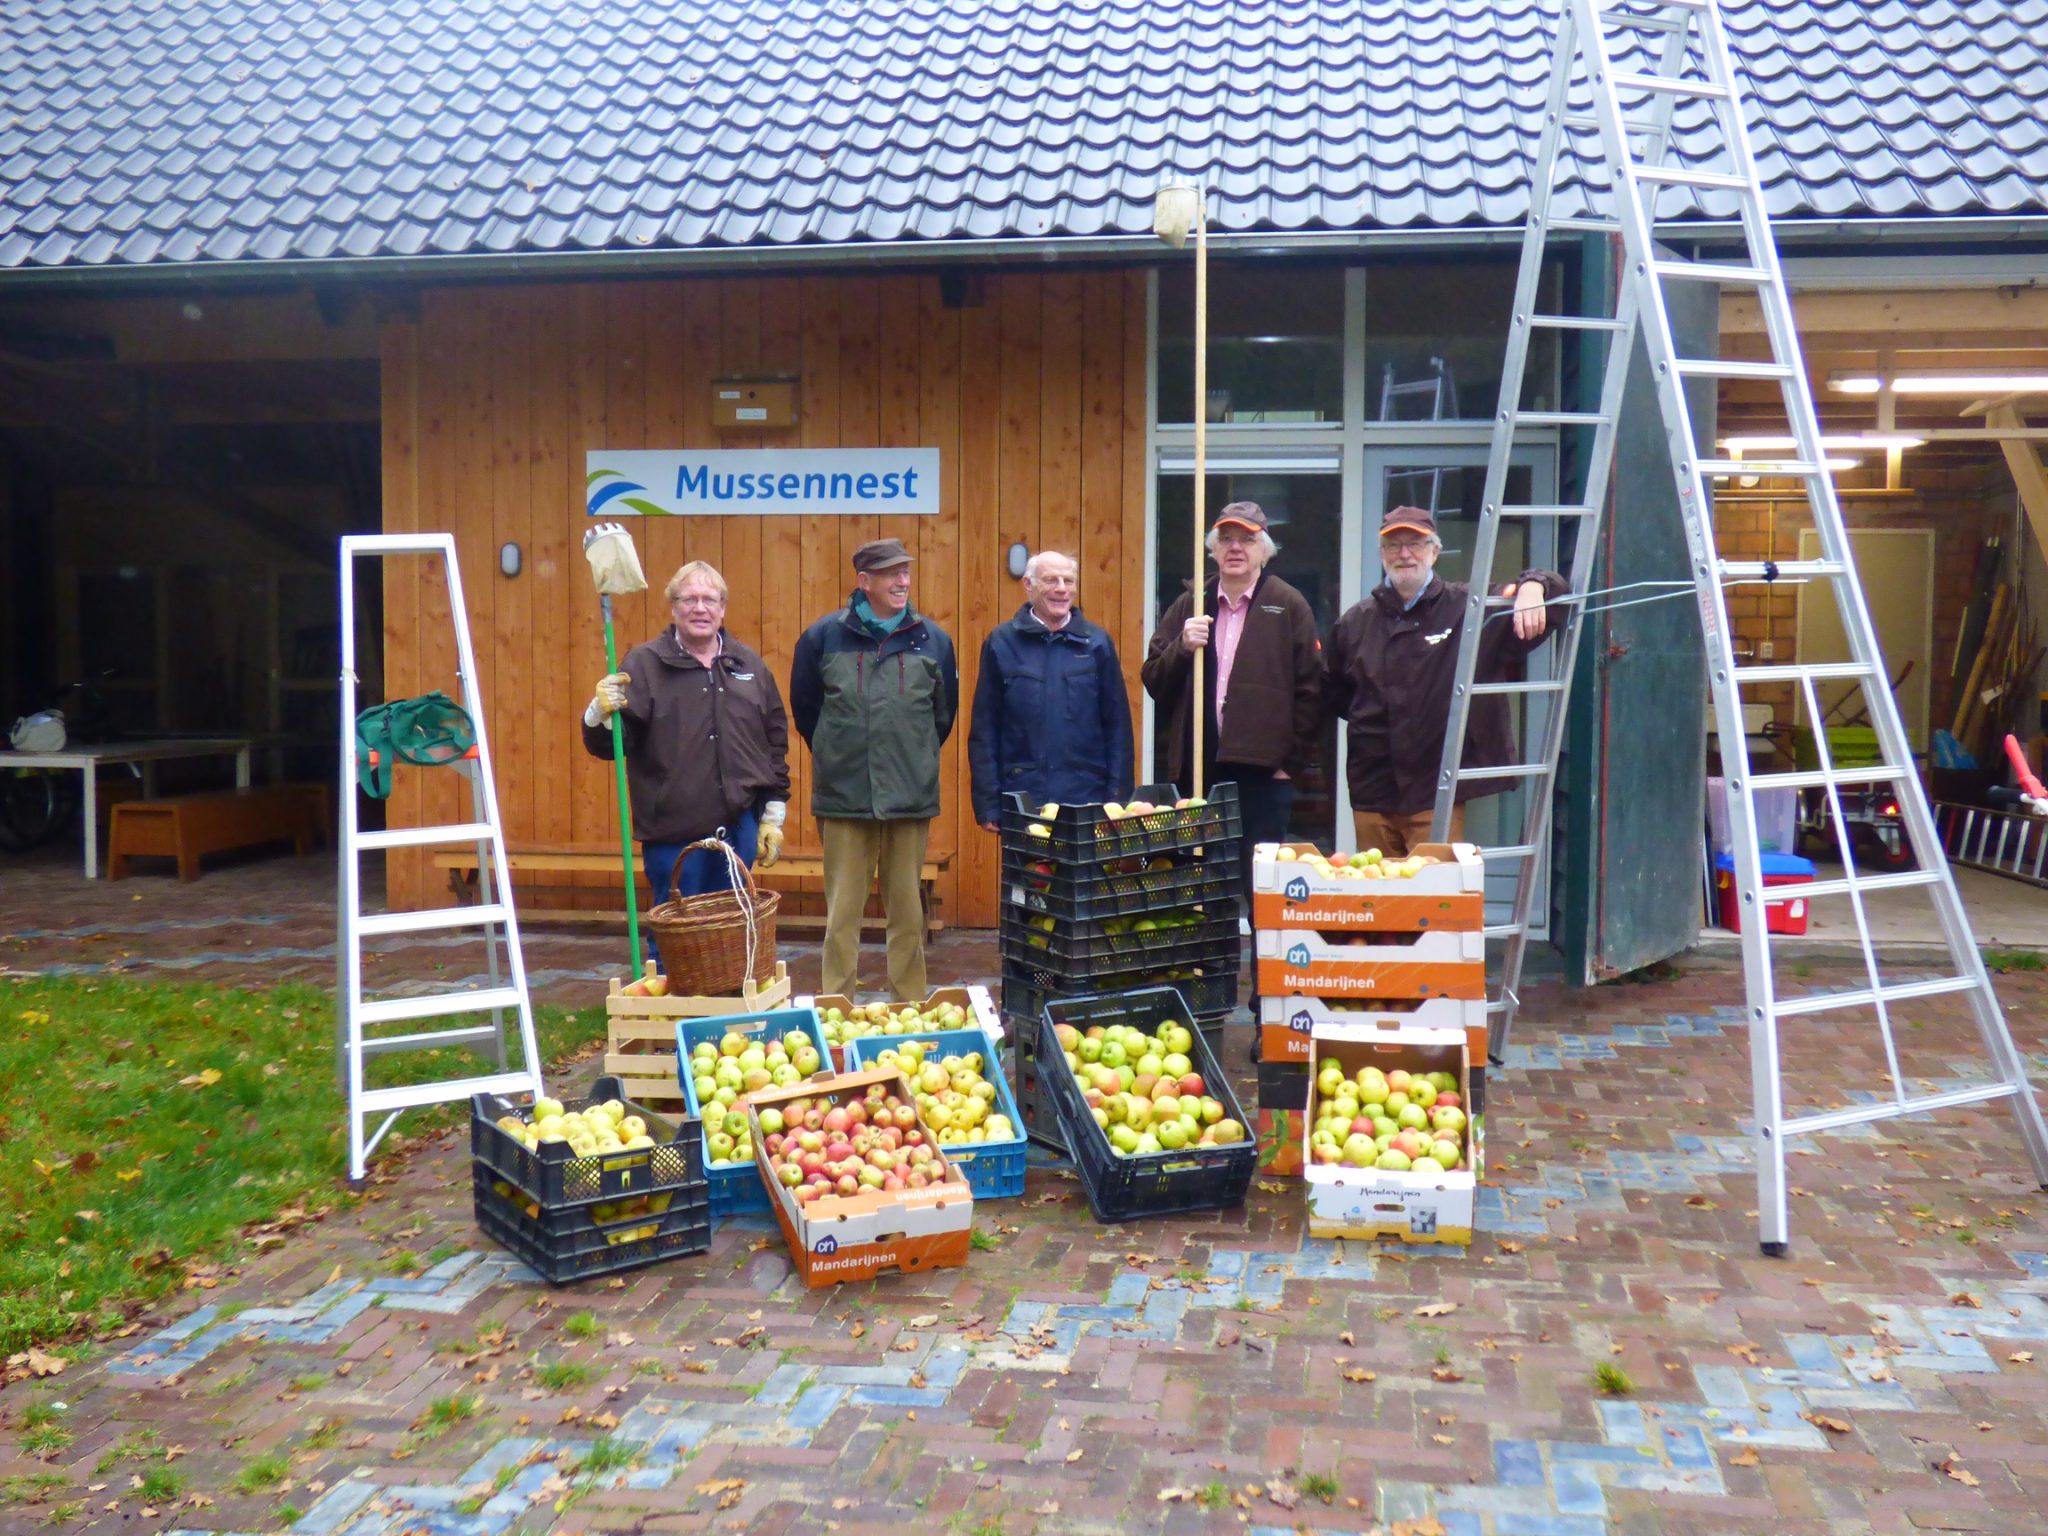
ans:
x=1286 y=1022
x=857 y=1237
x=1399 y=965
x=1290 y=893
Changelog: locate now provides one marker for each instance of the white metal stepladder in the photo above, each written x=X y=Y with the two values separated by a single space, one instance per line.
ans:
x=360 y=1018
x=1623 y=69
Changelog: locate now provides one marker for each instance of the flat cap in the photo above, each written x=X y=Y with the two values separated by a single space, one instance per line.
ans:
x=880 y=555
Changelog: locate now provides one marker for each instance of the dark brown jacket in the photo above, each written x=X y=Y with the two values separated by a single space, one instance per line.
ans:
x=703 y=744
x=1274 y=711
x=1389 y=677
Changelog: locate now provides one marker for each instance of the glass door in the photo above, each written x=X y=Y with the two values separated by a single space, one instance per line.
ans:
x=1450 y=480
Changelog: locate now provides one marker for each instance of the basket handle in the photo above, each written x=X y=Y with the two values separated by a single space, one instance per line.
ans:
x=741 y=876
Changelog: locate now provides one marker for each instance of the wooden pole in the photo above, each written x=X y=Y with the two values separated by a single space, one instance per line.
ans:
x=1201 y=709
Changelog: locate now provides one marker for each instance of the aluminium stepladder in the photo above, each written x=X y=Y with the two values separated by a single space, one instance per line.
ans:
x=1623 y=70
x=361 y=1020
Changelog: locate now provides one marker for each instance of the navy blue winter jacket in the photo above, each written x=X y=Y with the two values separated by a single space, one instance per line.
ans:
x=1051 y=717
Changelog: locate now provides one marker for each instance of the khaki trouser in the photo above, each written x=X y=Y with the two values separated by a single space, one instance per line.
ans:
x=854 y=852
x=1397 y=835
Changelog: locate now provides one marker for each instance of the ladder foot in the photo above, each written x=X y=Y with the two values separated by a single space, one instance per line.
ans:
x=1775 y=1250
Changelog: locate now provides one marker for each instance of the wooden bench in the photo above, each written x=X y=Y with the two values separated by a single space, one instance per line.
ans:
x=188 y=827
x=794 y=866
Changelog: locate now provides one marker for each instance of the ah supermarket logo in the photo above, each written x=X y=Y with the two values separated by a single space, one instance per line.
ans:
x=1297 y=889
x=828 y=1244
x=1298 y=955
x=1302 y=1023
x=607 y=488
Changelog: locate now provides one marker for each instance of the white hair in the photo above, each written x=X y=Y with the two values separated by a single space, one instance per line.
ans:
x=1036 y=563
x=1266 y=547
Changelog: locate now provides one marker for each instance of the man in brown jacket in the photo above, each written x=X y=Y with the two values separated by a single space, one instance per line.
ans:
x=1262 y=686
x=1389 y=672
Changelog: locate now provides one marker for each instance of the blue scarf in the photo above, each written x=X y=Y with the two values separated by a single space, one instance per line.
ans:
x=875 y=625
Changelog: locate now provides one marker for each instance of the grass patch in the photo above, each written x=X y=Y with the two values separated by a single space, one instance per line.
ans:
x=45 y=1440
x=324 y=1435
x=1612 y=1379
x=607 y=1455
x=443 y=1252
x=582 y=1325
x=563 y=1376
x=981 y=1241
x=403 y=1263
x=444 y=1413
x=264 y=1472
x=288 y=1515
x=2016 y=960
x=32 y=1489
x=1319 y=1485
x=1213 y=1495
x=312 y=1381
x=210 y=1110
x=36 y=1414
x=160 y=1485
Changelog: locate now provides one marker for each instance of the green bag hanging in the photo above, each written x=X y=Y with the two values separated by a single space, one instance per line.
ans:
x=429 y=731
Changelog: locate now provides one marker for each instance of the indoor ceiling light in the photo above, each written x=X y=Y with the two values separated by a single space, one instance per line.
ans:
x=1942 y=383
x=1869 y=442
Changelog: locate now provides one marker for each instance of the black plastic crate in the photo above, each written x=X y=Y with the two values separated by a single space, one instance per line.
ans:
x=1159 y=1183
x=1083 y=834
x=1034 y=1099
x=1213 y=998
x=554 y=1176
x=1092 y=892
x=573 y=1244
x=1086 y=952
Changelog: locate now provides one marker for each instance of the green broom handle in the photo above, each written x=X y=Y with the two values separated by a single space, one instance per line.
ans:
x=611 y=661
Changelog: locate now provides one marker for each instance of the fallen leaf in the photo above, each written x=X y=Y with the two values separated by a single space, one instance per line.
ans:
x=1443 y=1439
x=1445 y=1373
x=204 y=1079
x=1951 y=1467
x=1437 y=1309
x=606 y=1420
x=1283 y=1493
x=1965 y=1299
x=2021 y=1357
x=1359 y=1373
x=1346 y=1338
x=618 y=1338
x=721 y=1485
x=924 y=1320
x=1509 y=1245
x=1175 y=1495
x=1746 y=1457
x=1049 y=1507
x=570 y=1415
x=1833 y=1426
x=1074 y=1454
x=859 y=1329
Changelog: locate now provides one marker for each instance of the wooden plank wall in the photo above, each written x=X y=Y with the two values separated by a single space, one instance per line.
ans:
x=1033 y=394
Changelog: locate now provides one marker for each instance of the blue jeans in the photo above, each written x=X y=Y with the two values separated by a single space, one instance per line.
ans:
x=704 y=871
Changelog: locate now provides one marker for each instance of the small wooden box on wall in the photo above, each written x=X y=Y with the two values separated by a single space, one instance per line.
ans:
x=740 y=403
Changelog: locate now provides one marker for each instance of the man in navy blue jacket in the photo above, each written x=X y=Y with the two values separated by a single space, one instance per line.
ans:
x=1051 y=718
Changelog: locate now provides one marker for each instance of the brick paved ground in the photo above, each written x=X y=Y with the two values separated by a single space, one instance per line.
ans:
x=1081 y=1379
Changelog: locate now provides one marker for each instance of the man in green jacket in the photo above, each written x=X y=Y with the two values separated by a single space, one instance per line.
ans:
x=874 y=691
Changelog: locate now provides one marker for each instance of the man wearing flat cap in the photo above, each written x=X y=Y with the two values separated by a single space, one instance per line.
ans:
x=874 y=692
x=1262 y=688
x=1389 y=672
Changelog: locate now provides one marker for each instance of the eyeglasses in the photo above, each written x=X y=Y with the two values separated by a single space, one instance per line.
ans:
x=1408 y=546
x=700 y=602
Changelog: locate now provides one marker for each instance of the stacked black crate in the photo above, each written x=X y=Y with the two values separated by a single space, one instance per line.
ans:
x=1104 y=899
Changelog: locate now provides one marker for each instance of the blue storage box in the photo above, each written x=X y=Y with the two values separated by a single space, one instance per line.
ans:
x=994 y=1169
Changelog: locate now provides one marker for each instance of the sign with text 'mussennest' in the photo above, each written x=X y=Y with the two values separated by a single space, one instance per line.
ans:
x=717 y=482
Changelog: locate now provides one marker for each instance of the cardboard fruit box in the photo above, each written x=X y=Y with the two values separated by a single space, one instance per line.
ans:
x=1276 y=1123
x=975 y=1001
x=1345 y=1201
x=1420 y=965
x=1286 y=1022
x=1290 y=893
x=857 y=1237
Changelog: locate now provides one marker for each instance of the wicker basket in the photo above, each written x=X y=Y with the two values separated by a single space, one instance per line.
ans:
x=706 y=942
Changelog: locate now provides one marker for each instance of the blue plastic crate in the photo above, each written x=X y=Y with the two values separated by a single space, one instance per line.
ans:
x=739 y=1191
x=994 y=1169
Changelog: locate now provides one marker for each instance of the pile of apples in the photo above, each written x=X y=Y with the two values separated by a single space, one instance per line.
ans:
x=957 y=1103
x=1040 y=928
x=1143 y=1090
x=734 y=1067
x=841 y=1144
x=865 y=1019
x=596 y=1129
x=1397 y=1122
x=623 y=1210
x=651 y=984
x=1369 y=865
x=1112 y=811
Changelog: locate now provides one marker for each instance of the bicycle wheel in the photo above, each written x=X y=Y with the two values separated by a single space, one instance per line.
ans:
x=33 y=809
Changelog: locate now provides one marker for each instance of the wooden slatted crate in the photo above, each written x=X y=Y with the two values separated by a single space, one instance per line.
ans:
x=641 y=1034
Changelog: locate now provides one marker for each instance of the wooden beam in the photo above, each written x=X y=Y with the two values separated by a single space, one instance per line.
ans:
x=2024 y=460
x=2003 y=312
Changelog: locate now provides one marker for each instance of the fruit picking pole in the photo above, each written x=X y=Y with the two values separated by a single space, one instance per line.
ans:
x=1201 y=462
x=611 y=664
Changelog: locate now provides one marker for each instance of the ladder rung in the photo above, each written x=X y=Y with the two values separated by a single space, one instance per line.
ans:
x=429 y=1038
x=1629 y=125
x=1727 y=368
x=1575 y=322
x=1804 y=469
x=1544 y=509
x=1863 y=997
x=1926 y=1103
x=1549 y=686
x=1638 y=21
x=1506 y=851
x=419 y=837
x=1911 y=877
x=1670 y=85
x=377 y=1100
x=1681 y=176
x=1779 y=570
x=1712 y=272
x=1573 y=224
x=1505 y=771
x=377 y=923
x=1793 y=672
x=1561 y=419
x=434 y=1005
x=1501 y=931
x=1814 y=778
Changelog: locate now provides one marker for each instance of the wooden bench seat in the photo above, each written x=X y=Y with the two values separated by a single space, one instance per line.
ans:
x=189 y=827
x=794 y=866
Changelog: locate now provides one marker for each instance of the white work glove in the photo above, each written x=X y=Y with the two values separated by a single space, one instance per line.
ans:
x=768 y=842
x=1194 y=634
x=609 y=699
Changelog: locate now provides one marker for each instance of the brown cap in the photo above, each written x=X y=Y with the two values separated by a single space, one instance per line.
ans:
x=1246 y=514
x=1408 y=519
x=880 y=555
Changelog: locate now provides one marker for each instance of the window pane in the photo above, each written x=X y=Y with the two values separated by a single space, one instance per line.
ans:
x=1276 y=342
x=1305 y=512
x=1436 y=335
